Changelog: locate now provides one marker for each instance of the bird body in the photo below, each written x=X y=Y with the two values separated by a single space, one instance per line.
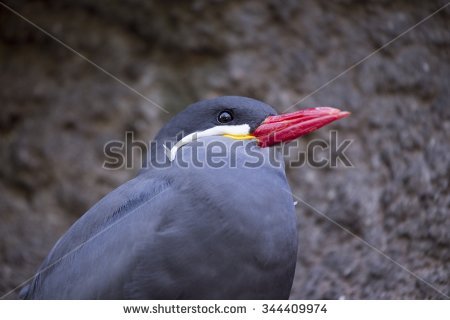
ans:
x=185 y=232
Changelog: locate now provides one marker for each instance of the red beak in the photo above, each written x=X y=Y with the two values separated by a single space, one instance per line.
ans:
x=289 y=126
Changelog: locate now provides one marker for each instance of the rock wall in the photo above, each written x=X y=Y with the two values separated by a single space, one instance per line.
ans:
x=58 y=111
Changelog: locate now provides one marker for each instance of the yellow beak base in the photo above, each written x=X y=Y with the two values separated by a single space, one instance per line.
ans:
x=240 y=136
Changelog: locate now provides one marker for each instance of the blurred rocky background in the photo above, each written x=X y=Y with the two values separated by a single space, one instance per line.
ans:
x=57 y=112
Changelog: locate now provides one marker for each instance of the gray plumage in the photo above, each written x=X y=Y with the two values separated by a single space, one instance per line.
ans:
x=183 y=233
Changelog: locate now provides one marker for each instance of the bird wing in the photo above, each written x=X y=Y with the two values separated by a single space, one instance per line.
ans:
x=71 y=270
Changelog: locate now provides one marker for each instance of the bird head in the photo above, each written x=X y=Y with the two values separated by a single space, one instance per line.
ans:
x=241 y=118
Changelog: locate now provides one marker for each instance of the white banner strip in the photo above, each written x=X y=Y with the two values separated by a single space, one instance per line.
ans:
x=225 y=309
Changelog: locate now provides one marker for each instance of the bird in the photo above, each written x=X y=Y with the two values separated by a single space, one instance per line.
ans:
x=184 y=231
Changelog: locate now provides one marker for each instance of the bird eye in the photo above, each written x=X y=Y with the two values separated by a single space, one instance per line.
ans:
x=225 y=117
